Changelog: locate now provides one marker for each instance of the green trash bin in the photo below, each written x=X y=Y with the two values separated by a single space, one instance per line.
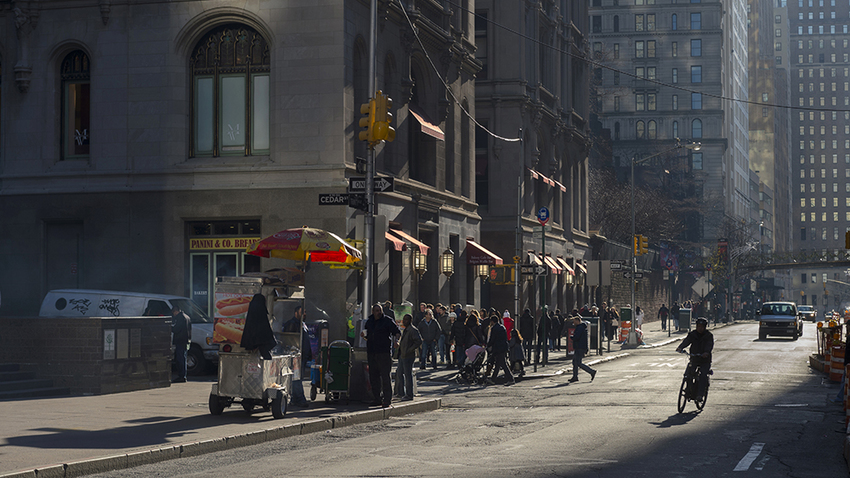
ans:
x=336 y=370
x=684 y=319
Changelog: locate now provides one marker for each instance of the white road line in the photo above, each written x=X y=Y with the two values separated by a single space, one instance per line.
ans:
x=750 y=457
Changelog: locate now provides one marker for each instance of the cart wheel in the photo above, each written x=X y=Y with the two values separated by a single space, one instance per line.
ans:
x=313 y=393
x=279 y=405
x=217 y=405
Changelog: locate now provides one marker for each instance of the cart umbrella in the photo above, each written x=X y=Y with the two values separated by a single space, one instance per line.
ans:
x=306 y=243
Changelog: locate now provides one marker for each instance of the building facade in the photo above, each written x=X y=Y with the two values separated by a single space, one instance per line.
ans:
x=144 y=146
x=820 y=94
x=534 y=85
x=673 y=71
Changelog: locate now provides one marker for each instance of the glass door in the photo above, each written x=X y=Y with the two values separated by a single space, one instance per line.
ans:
x=200 y=279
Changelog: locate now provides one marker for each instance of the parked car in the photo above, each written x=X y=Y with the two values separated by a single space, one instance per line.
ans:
x=808 y=312
x=780 y=318
x=108 y=303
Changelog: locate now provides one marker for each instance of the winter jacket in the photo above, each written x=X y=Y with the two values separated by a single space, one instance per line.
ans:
x=498 y=339
x=430 y=331
x=580 y=337
x=410 y=342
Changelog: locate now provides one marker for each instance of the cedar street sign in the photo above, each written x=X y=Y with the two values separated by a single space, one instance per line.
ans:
x=333 y=199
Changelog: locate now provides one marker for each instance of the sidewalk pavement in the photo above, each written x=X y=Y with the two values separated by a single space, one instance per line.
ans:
x=74 y=436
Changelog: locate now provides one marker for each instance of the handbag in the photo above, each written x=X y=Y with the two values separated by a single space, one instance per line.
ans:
x=615 y=323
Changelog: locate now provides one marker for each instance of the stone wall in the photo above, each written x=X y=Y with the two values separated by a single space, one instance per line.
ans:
x=91 y=356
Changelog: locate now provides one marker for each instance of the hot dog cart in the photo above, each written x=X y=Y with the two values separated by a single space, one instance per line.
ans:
x=244 y=376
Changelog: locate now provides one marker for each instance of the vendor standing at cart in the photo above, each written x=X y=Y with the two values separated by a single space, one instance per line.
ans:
x=380 y=333
x=293 y=325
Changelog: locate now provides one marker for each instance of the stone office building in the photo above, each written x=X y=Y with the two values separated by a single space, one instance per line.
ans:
x=132 y=132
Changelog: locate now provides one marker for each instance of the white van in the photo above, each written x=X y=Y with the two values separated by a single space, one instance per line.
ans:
x=109 y=303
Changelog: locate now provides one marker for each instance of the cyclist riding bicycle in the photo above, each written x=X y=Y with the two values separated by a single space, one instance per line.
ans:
x=702 y=343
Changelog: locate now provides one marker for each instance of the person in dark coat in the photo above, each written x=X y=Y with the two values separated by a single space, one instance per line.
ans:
x=580 y=347
x=380 y=333
x=257 y=334
x=498 y=348
x=526 y=329
x=458 y=338
x=181 y=332
x=473 y=331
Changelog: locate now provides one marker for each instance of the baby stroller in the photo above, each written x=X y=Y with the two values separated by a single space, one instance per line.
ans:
x=471 y=370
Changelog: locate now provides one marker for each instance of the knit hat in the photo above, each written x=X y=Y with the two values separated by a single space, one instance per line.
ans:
x=452 y=314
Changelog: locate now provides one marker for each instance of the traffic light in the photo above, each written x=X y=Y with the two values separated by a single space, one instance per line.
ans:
x=847 y=240
x=383 y=118
x=644 y=247
x=636 y=245
x=368 y=122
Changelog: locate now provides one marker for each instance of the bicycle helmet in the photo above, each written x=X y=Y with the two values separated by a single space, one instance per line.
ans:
x=702 y=321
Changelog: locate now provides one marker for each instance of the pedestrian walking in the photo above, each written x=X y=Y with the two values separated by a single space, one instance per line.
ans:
x=458 y=338
x=442 y=319
x=408 y=345
x=554 y=330
x=638 y=318
x=380 y=333
x=674 y=311
x=663 y=312
x=580 y=349
x=181 y=338
x=430 y=331
x=508 y=322
x=497 y=346
x=517 y=354
x=473 y=331
x=526 y=329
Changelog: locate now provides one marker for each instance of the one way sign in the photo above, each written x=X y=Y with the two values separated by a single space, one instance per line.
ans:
x=382 y=185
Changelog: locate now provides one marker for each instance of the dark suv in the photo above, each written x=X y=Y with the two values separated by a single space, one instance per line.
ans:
x=780 y=318
x=808 y=312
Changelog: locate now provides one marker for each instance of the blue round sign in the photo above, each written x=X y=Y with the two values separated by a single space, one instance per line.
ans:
x=543 y=215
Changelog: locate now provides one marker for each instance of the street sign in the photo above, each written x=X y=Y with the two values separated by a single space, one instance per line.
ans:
x=333 y=199
x=638 y=275
x=543 y=215
x=382 y=185
x=533 y=269
x=615 y=266
x=358 y=201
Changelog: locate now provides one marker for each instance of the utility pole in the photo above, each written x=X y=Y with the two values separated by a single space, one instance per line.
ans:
x=369 y=219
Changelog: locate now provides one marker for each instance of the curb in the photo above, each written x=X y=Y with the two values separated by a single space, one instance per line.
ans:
x=156 y=455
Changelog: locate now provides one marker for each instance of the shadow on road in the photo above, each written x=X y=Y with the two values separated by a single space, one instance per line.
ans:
x=676 y=419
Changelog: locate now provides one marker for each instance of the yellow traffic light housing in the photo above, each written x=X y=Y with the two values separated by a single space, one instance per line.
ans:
x=644 y=247
x=636 y=245
x=383 y=118
x=368 y=122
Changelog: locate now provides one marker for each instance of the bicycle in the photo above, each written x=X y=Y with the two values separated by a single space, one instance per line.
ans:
x=690 y=386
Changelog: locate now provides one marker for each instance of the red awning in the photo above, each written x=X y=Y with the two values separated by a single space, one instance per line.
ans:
x=581 y=268
x=565 y=266
x=428 y=127
x=553 y=264
x=398 y=244
x=476 y=254
x=422 y=247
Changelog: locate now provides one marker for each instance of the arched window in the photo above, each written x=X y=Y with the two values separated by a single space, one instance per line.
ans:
x=230 y=91
x=640 y=130
x=76 y=113
x=651 y=130
x=675 y=129
x=616 y=23
x=696 y=128
x=617 y=130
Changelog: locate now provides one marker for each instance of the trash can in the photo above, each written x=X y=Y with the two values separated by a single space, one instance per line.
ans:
x=684 y=319
x=336 y=370
x=594 y=338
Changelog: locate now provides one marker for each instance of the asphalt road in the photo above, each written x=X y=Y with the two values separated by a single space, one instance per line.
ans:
x=767 y=415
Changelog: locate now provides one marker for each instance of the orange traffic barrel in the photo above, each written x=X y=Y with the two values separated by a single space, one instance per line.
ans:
x=837 y=364
x=625 y=326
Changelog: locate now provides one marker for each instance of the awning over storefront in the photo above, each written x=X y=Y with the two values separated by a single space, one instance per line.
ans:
x=428 y=127
x=398 y=244
x=534 y=259
x=569 y=270
x=581 y=268
x=556 y=269
x=407 y=237
x=476 y=254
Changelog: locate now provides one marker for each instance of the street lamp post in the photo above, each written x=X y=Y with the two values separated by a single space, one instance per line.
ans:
x=632 y=340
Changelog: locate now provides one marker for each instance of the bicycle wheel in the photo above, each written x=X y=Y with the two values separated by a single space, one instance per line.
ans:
x=683 y=390
x=700 y=402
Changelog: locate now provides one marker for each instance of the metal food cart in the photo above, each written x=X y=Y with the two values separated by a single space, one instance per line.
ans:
x=244 y=377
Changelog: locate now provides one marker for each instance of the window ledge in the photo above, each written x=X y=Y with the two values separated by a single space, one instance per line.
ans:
x=226 y=161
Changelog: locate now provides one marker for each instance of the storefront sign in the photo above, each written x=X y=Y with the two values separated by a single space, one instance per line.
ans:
x=221 y=243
